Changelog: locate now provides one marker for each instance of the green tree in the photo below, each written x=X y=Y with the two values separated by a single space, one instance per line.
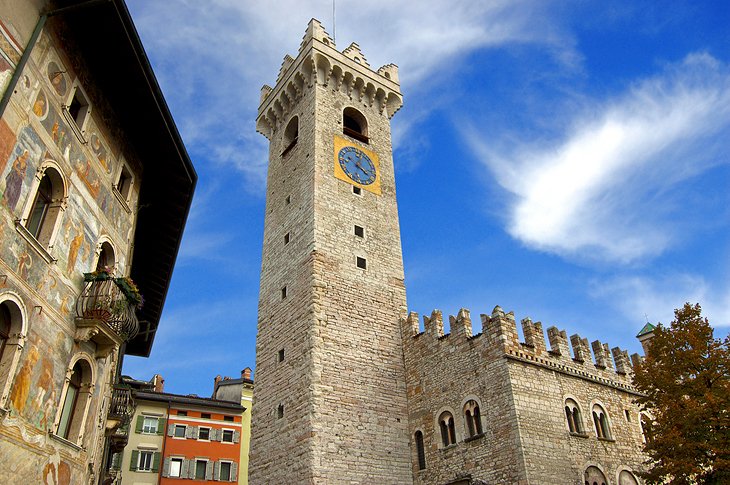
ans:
x=686 y=385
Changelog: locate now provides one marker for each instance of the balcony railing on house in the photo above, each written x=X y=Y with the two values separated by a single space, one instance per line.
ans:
x=106 y=311
x=122 y=404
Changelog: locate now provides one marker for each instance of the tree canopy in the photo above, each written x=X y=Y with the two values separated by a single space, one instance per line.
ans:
x=686 y=385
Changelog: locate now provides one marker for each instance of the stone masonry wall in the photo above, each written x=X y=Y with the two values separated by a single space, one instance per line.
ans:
x=521 y=388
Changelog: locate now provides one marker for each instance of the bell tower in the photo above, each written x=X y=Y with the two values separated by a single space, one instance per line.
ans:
x=330 y=397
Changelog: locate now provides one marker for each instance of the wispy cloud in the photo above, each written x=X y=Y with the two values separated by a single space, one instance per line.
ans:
x=608 y=188
x=657 y=296
x=213 y=57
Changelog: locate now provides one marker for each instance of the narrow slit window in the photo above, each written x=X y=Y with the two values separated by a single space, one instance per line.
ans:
x=280 y=411
x=286 y=238
x=361 y=263
x=288 y=199
x=281 y=355
x=283 y=293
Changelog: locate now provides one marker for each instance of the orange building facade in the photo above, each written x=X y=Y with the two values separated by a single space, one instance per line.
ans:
x=176 y=437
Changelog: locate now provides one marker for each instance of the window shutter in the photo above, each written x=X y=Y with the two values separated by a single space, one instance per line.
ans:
x=234 y=471
x=156 y=462
x=134 y=460
x=191 y=468
x=166 y=467
x=216 y=471
x=214 y=434
x=236 y=436
x=161 y=426
x=184 y=468
x=191 y=432
x=209 y=471
x=170 y=429
x=140 y=422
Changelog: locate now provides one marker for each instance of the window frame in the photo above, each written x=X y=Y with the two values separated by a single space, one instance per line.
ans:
x=573 y=416
x=177 y=426
x=150 y=430
x=223 y=435
x=79 y=127
x=220 y=470
x=420 y=450
x=447 y=428
x=79 y=410
x=206 y=428
x=13 y=345
x=140 y=456
x=176 y=459
x=601 y=422
x=197 y=462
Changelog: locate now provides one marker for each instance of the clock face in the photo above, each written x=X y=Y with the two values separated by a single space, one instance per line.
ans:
x=357 y=165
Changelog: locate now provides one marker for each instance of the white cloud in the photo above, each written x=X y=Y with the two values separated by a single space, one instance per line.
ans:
x=658 y=296
x=213 y=57
x=593 y=193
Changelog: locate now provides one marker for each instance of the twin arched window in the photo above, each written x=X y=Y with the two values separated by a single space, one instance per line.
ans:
x=600 y=421
x=572 y=414
x=473 y=418
x=448 y=431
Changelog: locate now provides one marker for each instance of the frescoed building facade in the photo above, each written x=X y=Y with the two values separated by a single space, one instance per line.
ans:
x=82 y=150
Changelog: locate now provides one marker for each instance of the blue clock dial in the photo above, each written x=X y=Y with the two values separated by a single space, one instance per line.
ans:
x=357 y=165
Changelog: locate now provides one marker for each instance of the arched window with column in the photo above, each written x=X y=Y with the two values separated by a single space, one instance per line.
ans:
x=75 y=400
x=447 y=428
x=12 y=337
x=473 y=418
x=573 y=416
x=600 y=422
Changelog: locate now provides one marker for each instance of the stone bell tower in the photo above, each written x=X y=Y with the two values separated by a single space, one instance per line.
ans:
x=330 y=397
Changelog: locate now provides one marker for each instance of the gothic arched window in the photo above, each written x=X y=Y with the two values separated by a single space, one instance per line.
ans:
x=448 y=430
x=473 y=418
x=600 y=421
x=573 y=416
x=43 y=214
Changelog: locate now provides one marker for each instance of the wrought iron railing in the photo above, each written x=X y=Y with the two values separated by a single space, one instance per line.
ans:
x=105 y=301
x=122 y=404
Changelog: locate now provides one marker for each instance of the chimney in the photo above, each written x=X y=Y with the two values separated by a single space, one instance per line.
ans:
x=246 y=373
x=158 y=382
x=216 y=380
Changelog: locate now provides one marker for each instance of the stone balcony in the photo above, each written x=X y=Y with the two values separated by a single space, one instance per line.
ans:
x=106 y=312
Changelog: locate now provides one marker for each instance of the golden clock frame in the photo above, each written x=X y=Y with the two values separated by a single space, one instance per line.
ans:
x=341 y=143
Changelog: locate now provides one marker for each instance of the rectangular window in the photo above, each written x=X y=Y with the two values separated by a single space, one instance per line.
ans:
x=280 y=411
x=225 y=471
x=228 y=418
x=204 y=434
x=359 y=231
x=145 y=461
x=356 y=190
x=149 y=426
x=361 y=263
x=227 y=436
x=182 y=413
x=179 y=431
x=78 y=108
x=205 y=415
x=200 y=466
x=176 y=467
x=281 y=355
x=124 y=183
x=283 y=293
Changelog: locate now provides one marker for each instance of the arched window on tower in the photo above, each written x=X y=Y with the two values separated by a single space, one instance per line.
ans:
x=420 y=450
x=354 y=124
x=473 y=418
x=594 y=476
x=291 y=135
x=573 y=415
x=448 y=431
x=600 y=421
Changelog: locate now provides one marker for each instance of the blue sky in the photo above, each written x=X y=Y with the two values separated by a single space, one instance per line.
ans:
x=568 y=161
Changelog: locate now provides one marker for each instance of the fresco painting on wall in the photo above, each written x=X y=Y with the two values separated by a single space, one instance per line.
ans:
x=102 y=154
x=58 y=79
x=9 y=56
x=19 y=168
x=40 y=106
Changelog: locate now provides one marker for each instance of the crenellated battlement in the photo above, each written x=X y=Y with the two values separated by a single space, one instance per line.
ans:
x=499 y=337
x=319 y=63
